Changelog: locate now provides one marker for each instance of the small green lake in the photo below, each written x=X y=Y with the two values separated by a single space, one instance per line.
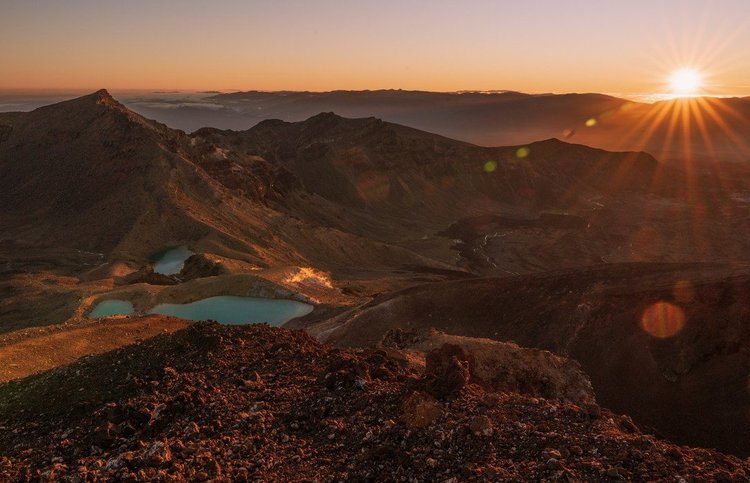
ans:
x=170 y=260
x=107 y=308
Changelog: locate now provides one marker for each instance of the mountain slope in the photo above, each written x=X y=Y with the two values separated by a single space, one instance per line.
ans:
x=67 y=163
x=665 y=343
x=93 y=175
x=245 y=403
x=90 y=174
x=370 y=164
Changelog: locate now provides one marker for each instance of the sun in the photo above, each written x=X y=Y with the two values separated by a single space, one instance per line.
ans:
x=685 y=82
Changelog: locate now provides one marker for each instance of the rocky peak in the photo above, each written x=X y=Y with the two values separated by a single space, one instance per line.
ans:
x=103 y=96
x=324 y=116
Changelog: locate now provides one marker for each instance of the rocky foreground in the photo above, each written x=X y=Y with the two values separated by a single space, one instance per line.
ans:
x=224 y=403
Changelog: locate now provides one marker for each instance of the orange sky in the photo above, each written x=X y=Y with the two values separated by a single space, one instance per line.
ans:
x=533 y=46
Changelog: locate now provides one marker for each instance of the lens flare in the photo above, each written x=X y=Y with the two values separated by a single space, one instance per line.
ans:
x=490 y=166
x=523 y=152
x=662 y=320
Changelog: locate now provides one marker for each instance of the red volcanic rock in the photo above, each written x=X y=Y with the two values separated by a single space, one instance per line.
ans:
x=448 y=369
x=481 y=426
x=420 y=410
x=439 y=361
x=158 y=454
x=502 y=366
x=198 y=265
x=202 y=422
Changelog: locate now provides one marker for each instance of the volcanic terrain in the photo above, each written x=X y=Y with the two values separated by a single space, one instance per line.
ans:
x=632 y=272
x=247 y=403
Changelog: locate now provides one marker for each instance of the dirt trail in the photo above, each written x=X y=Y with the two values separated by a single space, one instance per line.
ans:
x=30 y=352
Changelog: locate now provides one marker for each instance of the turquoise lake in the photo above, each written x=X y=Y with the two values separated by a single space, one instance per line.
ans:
x=227 y=309
x=107 y=308
x=171 y=260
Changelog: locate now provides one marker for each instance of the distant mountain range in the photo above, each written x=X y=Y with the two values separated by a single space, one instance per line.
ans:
x=696 y=129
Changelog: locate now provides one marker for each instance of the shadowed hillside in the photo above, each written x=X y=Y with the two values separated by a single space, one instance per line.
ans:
x=97 y=177
x=664 y=343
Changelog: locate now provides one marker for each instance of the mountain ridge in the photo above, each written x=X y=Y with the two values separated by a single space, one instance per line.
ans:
x=499 y=119
x=101 y=126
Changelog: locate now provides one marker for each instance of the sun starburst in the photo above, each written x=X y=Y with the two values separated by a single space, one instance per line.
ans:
x=686 y=82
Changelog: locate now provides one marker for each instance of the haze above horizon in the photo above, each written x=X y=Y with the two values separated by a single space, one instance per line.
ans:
x=625 y=48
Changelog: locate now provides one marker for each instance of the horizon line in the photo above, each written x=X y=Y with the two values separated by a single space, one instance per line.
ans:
x=645 y=98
